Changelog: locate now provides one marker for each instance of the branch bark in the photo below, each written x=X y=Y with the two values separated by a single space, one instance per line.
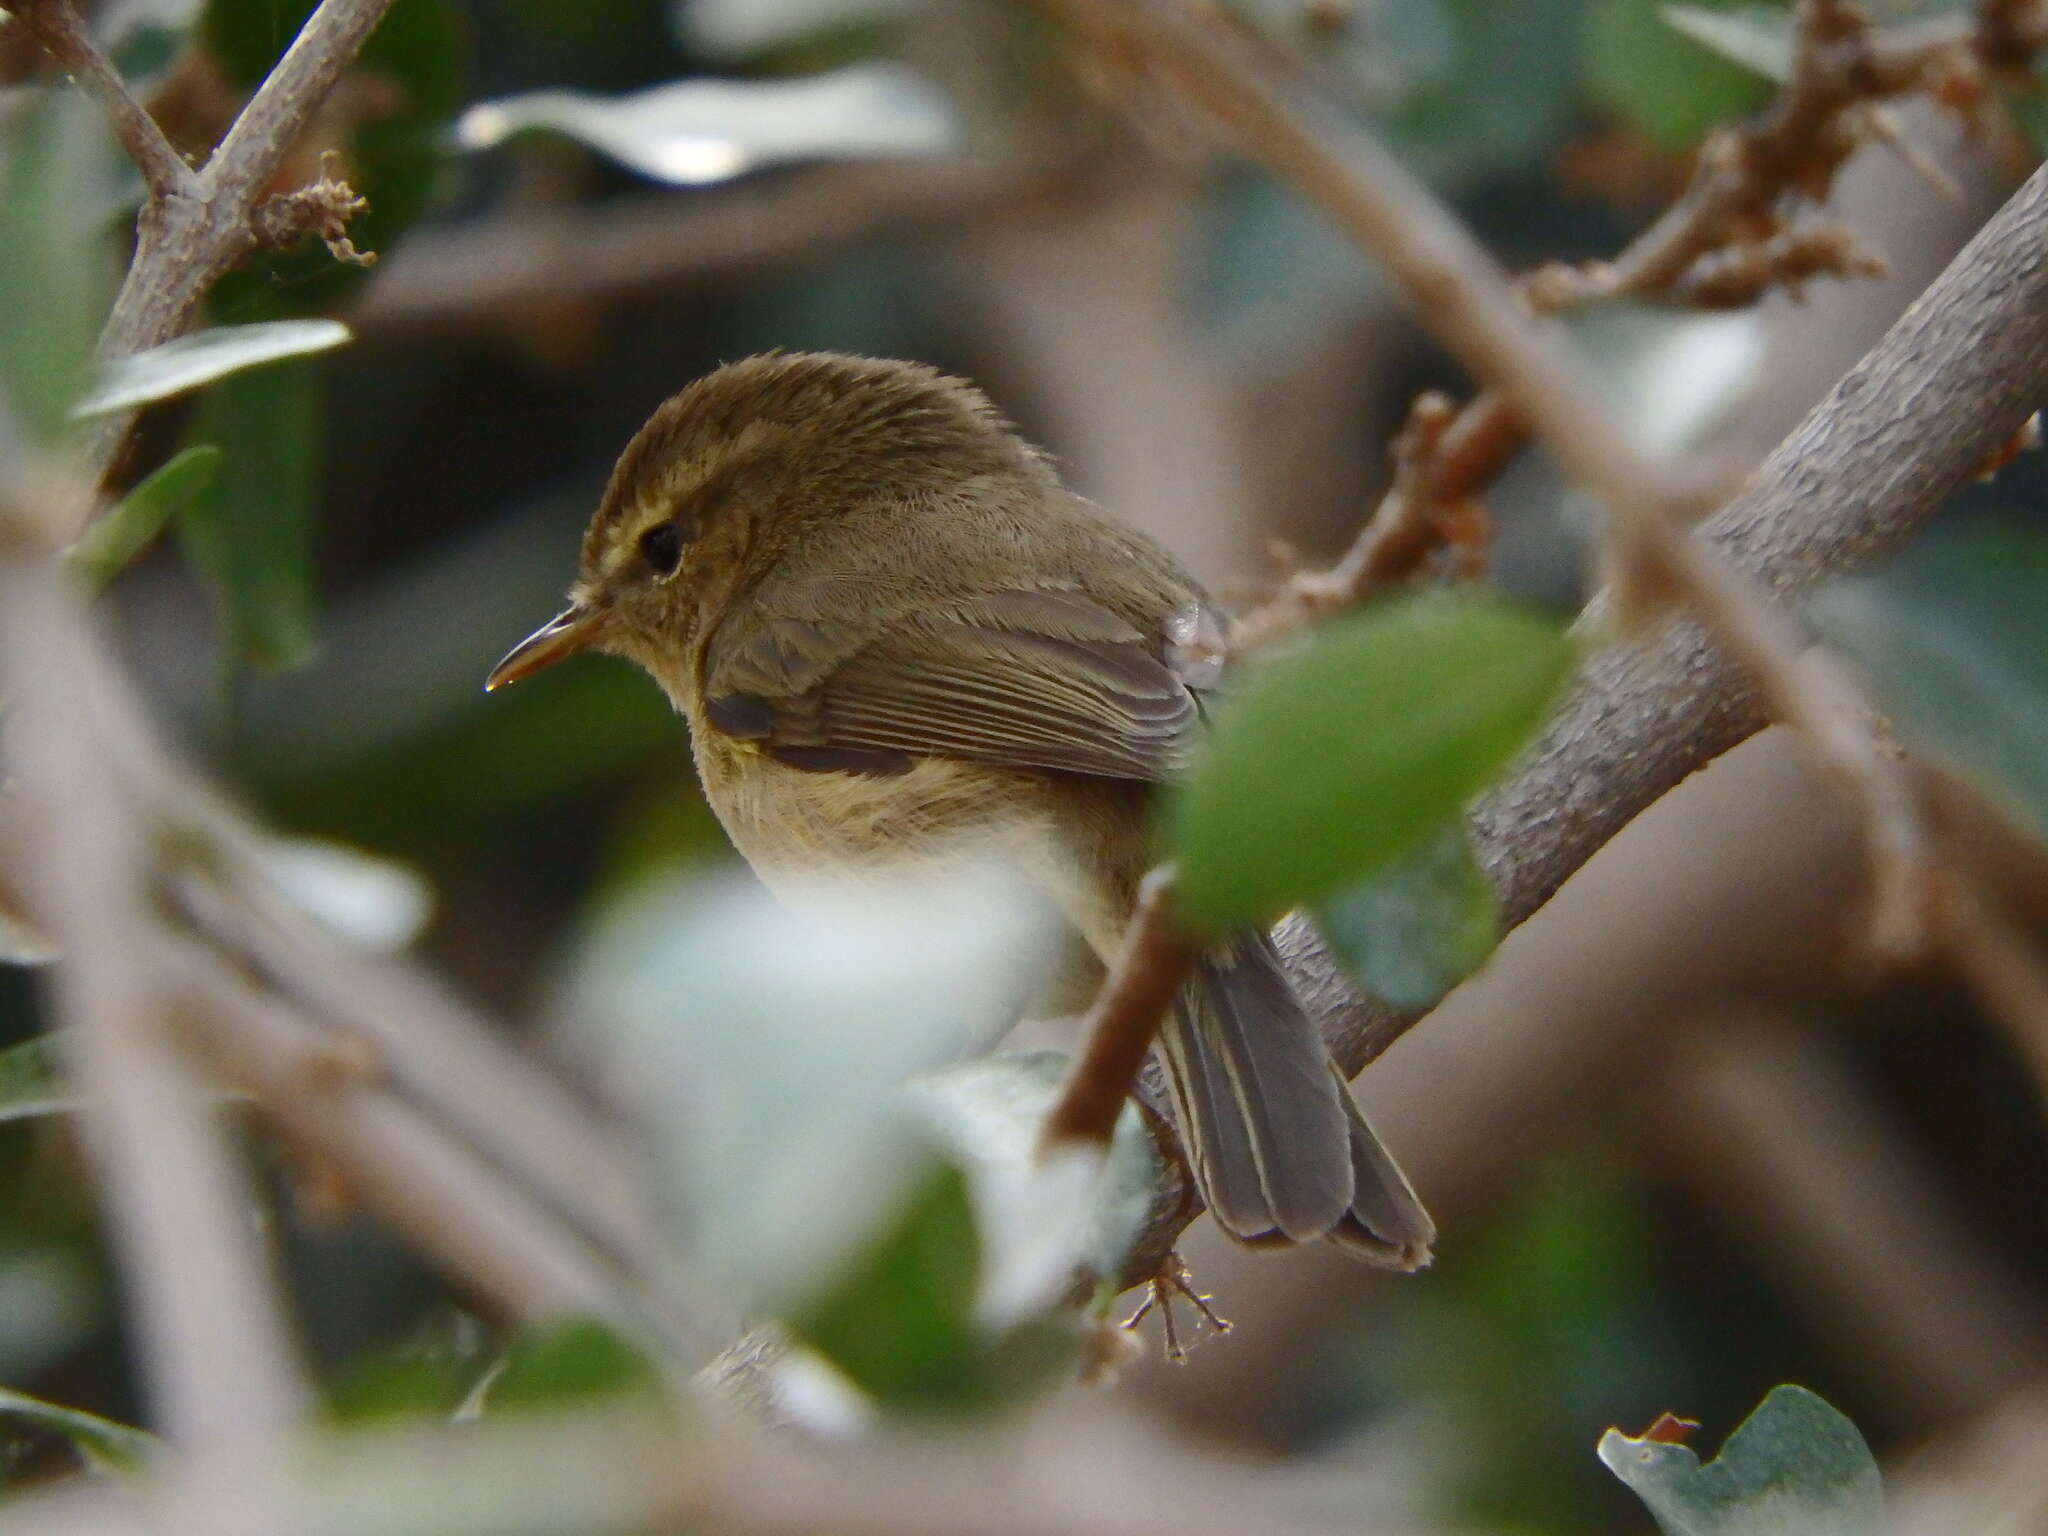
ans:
x=1866 y=471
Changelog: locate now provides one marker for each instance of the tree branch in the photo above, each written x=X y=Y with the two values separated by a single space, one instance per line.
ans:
x=185 y=241
x=221 y=1365
x=1951 y=382
x=64 y=35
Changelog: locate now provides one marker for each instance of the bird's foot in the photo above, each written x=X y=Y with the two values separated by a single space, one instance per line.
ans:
x=1174 y=1283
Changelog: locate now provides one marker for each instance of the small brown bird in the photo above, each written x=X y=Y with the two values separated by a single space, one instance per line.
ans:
x=892 y=629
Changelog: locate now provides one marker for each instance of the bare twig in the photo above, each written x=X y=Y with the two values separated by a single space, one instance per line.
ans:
x=1155 y=960
x=434 y=1191
x=221 y=1365
x=64 y=35
x=185 y=241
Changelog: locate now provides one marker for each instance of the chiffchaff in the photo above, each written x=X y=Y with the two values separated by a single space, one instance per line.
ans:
x=895 y=634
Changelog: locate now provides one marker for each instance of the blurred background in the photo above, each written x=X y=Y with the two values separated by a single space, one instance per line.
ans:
x=1681 y=1144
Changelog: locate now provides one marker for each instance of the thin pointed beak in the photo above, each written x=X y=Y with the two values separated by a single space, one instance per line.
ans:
x=563 y=636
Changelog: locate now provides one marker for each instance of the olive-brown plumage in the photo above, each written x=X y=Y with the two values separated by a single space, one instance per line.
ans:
x=895 y=634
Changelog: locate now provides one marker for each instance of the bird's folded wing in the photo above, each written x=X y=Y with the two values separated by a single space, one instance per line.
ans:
x=1037 y=679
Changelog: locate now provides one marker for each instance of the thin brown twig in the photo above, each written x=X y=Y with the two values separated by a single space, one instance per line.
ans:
x=434 y=1191
x=1156 y=958
x=64 y=35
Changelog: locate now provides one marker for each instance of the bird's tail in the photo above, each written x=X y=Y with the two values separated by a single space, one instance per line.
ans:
x=1278 y=1146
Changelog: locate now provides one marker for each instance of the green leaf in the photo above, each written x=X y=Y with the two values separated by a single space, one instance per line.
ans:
x=32 y=1081
x=1795 y=1465
x=159 y=373
x=1334 y=760
x=106 y=1445
x=53 y=267
x=389 y=1389
x=251 y=532
x=1671 y=88
x=699 y=131
x=1039 y=1226
x=1757 y=37
x=119 y=538
x=575 y=1361
x=899 y=1321
x=1952 y=640
x=1418 y=928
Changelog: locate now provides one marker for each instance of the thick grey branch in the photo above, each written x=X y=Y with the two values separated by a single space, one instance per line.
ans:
x=1868 y=468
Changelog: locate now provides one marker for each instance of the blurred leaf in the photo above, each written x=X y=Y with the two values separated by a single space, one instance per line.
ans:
x=388 y=1389
x=190 y=361
x=250 y=533
x=698 y=131
x=1418 y=928
x=765 y=1046
x=566 y=1363
x=1039 y=1226
x=106 y=1445
x=1795 y=1465
x=1758 y=37
x=1672 y=377
x=1952 y=639
x=731 y=29
x=120 y=537
x=50 y=1303
x=899 y=1321
x=33 y=1082
x=1668 y=86
x=1330 y=762
x=52 y=256
x=374 y=903
x=1500 y=96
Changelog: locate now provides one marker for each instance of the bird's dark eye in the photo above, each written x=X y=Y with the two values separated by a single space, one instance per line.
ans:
x=662 y=548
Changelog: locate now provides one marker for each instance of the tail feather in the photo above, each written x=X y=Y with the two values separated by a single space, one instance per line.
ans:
x=1279 y=1148
x=1386 y=1224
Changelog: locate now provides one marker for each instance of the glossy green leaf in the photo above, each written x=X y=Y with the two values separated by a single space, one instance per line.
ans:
x=699 y=131
x=899 y=1322
x=118 y=539
x=186 y=363
x=33 y=1082
x=1420 y=926
x=1668 y=86
x=1757 y=37
x=106 y=1445
x=556 y=1365
x=54 y=271
x=1332 y=761
x=1952 y=640
x=250 y=533
x=1796 y=1465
